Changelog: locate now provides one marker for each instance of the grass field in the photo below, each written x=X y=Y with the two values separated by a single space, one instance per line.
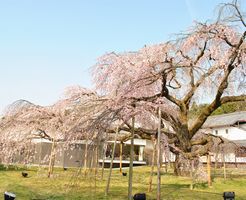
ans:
x=67 y=185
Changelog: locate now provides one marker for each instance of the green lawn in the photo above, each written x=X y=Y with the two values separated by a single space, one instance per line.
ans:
x=66 y=185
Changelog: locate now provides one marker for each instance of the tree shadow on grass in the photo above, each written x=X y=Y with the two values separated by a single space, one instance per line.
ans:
x=164 y=173
x=25 y=192
x=182 y=191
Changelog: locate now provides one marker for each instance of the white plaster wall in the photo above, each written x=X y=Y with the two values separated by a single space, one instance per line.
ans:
x=137 y=141
x=38 y=140
x=243 y=126
x=241 y=159
x=229 y=157
x=234 y=133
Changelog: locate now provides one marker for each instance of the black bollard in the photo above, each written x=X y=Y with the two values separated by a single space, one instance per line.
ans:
x=139 y=196
x=229 y=195
x=124 y=173
x=24 y=174
x=9 y=196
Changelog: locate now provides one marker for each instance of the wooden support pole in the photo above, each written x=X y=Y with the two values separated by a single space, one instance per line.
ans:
x=121 y=152
x=50 y=170
x=158 y=196
x=104 y=154
x=166 y=163
x=103 y=160
x=86 y=157
x=192 y=174
x=152 y=165
x=40 y=156
x=111 y=163
x=92 y=160
x=224 y=165
x=209 y=170
x=131 y=161
x=97 y=157
x=235 y=153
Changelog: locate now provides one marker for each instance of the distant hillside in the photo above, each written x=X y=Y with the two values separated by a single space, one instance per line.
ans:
x=226 y=108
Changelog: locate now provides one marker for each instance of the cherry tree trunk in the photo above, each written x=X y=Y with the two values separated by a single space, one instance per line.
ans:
x=182 y=166
x=177 y=165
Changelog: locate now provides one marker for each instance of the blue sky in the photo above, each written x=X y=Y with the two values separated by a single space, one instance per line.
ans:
x=47 y=45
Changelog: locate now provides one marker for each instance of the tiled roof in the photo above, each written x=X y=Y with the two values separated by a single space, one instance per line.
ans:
x=225 y=119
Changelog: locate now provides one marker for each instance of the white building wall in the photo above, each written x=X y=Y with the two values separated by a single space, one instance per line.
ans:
x=229 y=157
x=241 y=160
x=137 y=141
x=230 y=133
x=243 y=126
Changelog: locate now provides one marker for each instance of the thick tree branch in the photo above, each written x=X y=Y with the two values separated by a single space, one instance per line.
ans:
x=218 y=100
x=190 y=94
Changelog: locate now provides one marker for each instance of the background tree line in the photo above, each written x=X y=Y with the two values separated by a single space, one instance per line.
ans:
x=231 y=107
